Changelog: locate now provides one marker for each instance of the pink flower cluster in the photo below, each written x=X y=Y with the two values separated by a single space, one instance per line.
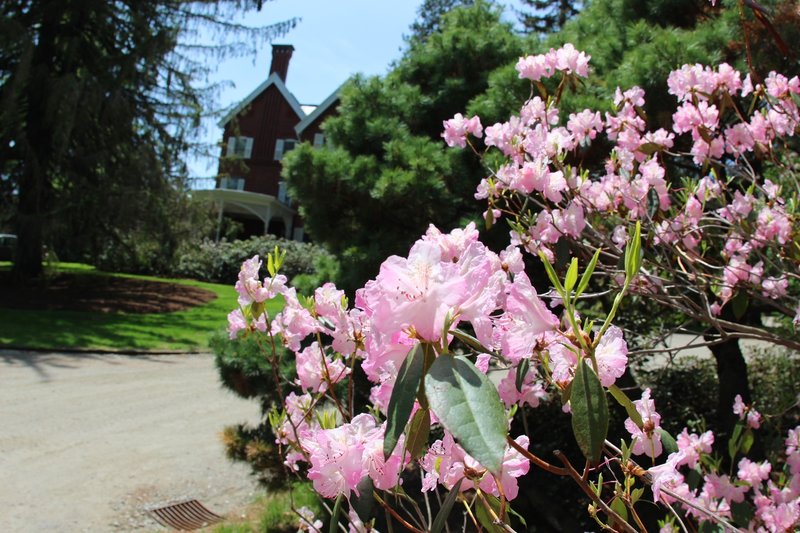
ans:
x=776 y=499
x=457 y=128
x=447 y=279
x=566 y=59
x=750 y=223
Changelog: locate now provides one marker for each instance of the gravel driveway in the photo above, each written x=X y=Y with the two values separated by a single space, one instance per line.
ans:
x=87 y=441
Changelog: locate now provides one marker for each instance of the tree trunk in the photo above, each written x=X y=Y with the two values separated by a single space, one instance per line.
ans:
x=30 y=229
x=732 y=376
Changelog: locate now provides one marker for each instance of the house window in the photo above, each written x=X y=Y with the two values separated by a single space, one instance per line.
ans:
x=282 y=146
x=233 y=184
x=240 y=147
x=283 y=193
x=319 y=140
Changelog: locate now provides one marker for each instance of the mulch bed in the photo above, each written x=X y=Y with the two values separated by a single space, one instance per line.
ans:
x=101 y=294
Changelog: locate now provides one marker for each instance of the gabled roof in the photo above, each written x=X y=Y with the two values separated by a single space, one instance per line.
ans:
x=275 y=80
x=321 y=108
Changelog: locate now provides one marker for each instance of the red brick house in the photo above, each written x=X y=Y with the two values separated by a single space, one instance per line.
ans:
x=256 y=134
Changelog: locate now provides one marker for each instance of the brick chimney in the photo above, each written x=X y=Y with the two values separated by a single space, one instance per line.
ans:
x=281 y=54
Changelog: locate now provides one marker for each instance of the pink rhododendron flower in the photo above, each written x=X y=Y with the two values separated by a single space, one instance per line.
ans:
x=294 y=323
x=307 y=521
x=236 y=323
x=753 y=473
x=446 y=463
x=457 y=128
x=251 y=289
x=315 y=369
x=722 y=487
x=747 y=413
x=611 y=355
x=531 y=392
x=692 y=445
x=525 y=319
x=648 y=438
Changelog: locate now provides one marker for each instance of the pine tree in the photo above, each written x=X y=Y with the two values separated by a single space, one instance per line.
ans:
x=389 y=174
x=547 y=16
x=98 y=104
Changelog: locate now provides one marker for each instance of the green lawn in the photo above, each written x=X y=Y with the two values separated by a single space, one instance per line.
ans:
x=182 y=330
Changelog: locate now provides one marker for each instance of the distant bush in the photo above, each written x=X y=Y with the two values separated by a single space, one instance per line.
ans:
x=220 y=262
x=686 y=391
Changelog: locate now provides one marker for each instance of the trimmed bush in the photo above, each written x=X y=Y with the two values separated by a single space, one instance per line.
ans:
x=219 y=262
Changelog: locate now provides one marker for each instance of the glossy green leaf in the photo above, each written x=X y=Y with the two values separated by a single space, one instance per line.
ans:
x=469 y=340
x=447 y=506
x=362 y=501
x=668 y=441
x=618 y=506
x=337 y=510
x=417 y=434
x=627 y=403
x=633 y=253
x=739 y=304
x=522 y=371
x=404 y=393
x=572 y=275
x=468 y=406
x=589 y=412
x=747 y=441
x=587 y=274
x=551 y=274
x=733 y=443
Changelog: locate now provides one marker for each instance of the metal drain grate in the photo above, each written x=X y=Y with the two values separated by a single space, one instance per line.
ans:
x=184 y=516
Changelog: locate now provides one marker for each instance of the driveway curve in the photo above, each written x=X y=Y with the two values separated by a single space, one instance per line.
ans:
x=88 y=441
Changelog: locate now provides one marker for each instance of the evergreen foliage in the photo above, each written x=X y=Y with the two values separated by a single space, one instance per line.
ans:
x=546 y=16
x=389 y=173
x=98 y=103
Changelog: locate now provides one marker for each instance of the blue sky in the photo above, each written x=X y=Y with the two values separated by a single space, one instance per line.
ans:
x=333 y=40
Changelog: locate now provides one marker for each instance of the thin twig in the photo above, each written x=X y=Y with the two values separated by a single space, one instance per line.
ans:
x=589 y=492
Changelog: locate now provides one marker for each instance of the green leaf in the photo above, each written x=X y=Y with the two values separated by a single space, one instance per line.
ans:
x=551 y=274
x=733 y=443
x=626 y=402
x=483 y=516
x=618 y=506
x=636 y=494
x=337 y=510
x=747 y=441
x=649 y=148
x=572 y=275
x=363 y=501
x=587 y=274
x=633 y=253
x=469 y=340
x=589 y=412
x=668 y=441
x=417 y=434
x=404 y=393
x=447 y=506
x=468 y=406
x=522 y=371
x=739 y=304
x=742 y=512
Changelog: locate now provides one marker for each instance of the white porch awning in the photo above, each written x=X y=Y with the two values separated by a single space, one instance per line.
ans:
x=265 y=207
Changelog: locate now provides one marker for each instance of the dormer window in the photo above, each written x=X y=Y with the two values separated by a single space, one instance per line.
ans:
x=241 y=147
x=282 y=146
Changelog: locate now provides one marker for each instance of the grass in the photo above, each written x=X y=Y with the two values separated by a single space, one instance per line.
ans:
x=273 y=512
x=187 y=330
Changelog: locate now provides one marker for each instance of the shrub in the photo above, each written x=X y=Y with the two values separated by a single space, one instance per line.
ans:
x=219 y=262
